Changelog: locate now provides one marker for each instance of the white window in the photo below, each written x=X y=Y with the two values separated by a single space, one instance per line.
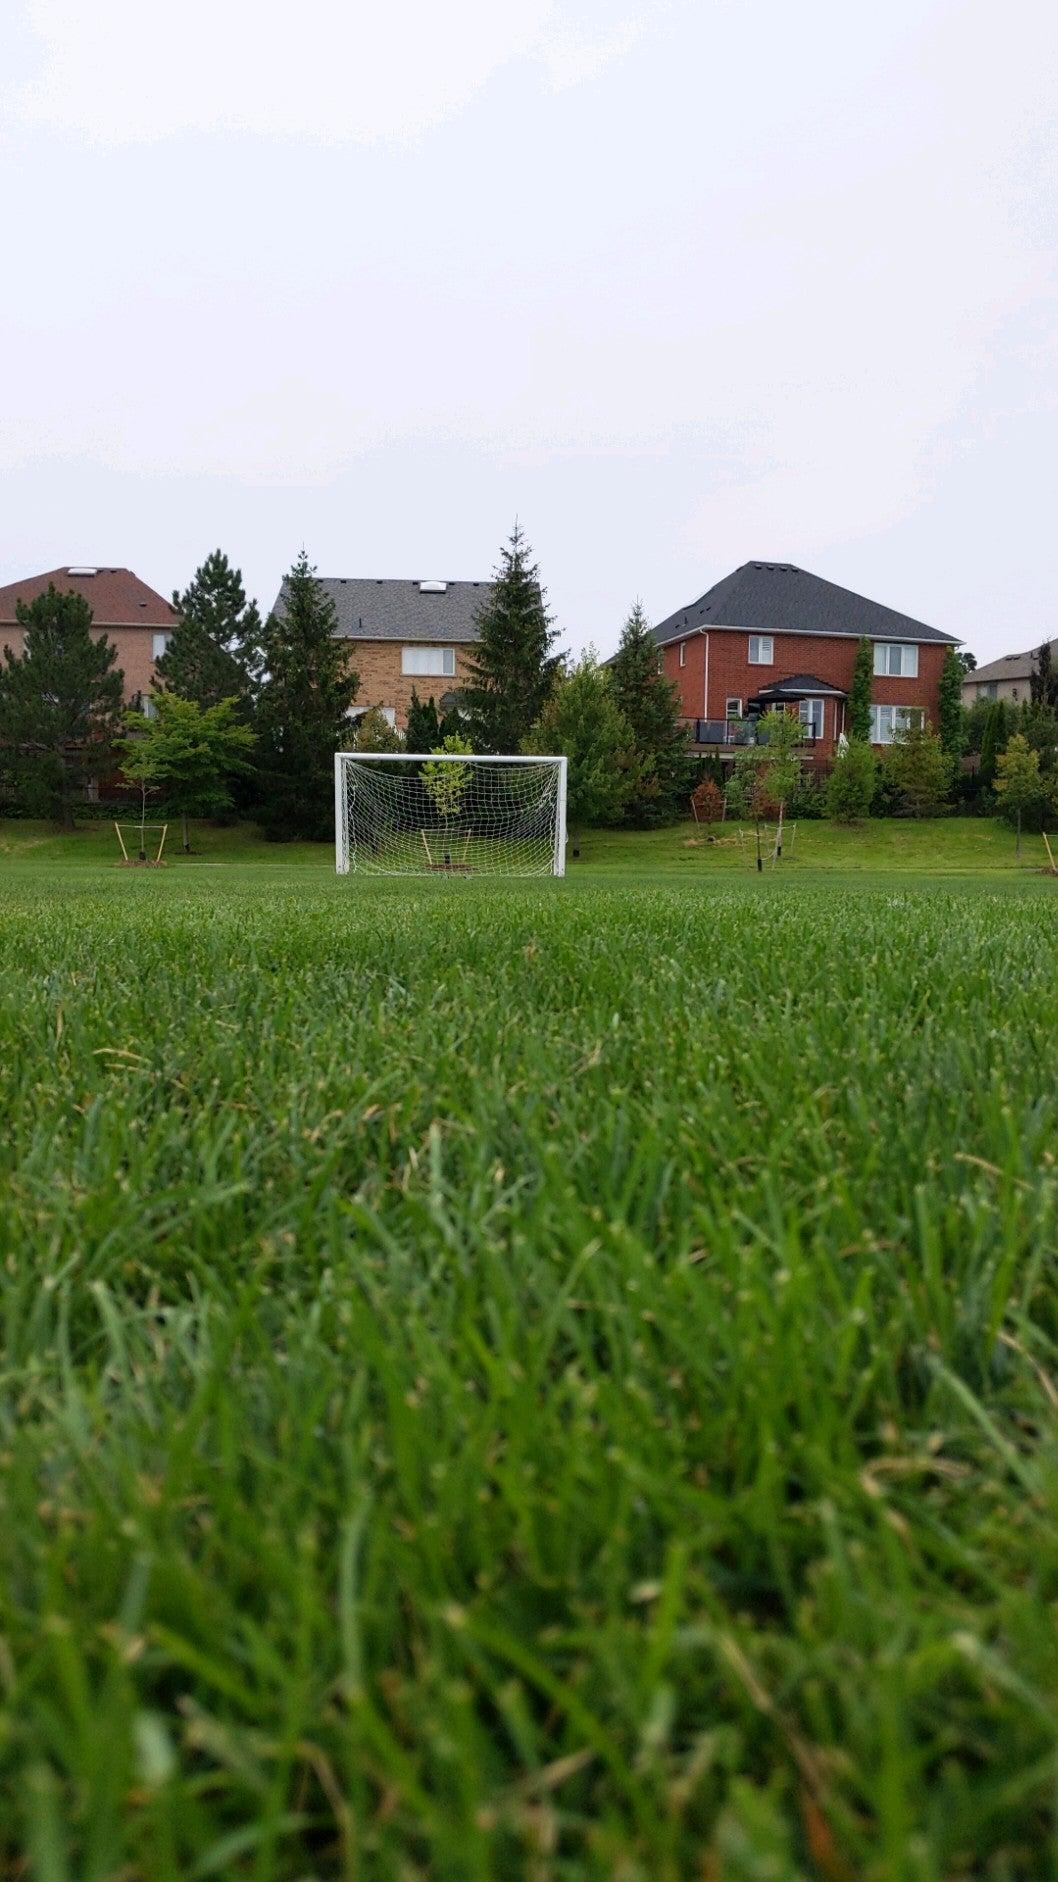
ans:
x=159 y=643
x=683 y=653
x=896 y=658
x=733 y=709
x=761 y=650
x=810 y=713
x=888 y=721
x=421 y=661
x=989 y=690
x=389 y=713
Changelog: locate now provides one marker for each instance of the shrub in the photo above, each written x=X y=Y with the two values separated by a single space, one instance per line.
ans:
x=852 y=782
x=920 y=771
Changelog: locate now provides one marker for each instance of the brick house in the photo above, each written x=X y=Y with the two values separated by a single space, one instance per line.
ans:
x=770 y=634
x=404 y=637
x=133 y=616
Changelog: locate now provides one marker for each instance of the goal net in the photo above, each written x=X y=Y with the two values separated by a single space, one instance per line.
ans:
x=439 y=813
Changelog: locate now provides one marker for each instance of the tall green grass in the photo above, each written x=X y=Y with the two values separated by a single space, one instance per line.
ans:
x=502 y=1383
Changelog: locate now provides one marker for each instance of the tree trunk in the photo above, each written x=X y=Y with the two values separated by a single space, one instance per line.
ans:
x=1017 y=846
x=778 y=835
x=187 y=839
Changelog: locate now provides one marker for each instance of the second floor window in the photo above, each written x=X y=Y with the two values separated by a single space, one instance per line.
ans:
x=897 y=658
x=761 y=650
x=428 y=660
x=159 y=643
x=683 y=653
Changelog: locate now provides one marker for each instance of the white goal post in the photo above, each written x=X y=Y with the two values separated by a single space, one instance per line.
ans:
x=405 y=814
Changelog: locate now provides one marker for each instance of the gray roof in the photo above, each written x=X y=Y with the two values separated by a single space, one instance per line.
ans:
x=776 y=598
x=1012 y=666
x=800 y=685
x=401 y=610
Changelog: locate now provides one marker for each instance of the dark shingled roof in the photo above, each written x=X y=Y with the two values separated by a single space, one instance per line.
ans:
x=399 y=610
x=797 y=686
x=776 y=598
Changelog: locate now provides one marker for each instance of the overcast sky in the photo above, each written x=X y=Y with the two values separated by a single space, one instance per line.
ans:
x=681 y=284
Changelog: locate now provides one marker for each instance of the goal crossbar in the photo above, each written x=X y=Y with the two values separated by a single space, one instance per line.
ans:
x=497 y=815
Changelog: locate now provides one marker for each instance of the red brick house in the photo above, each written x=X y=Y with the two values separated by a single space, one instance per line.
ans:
x=133 y=616
x=404 y=637
x=770 y=634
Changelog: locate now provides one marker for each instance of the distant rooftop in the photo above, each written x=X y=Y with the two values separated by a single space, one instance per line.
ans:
x=777 y=598
x=116 y=597
x=420 y=608
x=1011 y=666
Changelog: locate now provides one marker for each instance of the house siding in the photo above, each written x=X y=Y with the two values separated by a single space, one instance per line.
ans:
x=133 y=649
x=717 y=667
x=378 y=665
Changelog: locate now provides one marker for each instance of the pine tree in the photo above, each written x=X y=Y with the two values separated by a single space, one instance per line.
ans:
x=512 y=670
x=215 y=649
x=859 y=724
x=951 y=713
x=60 y=704
x=583 y=722
x=664 y=771
x=302 y=711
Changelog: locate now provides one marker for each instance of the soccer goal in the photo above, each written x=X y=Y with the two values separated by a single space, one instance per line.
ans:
x=146 y=841
x=446 y=813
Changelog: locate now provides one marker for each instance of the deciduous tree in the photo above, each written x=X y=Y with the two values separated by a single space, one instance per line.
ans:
x=1021 y=791
x=583 y=721
x=189 y=752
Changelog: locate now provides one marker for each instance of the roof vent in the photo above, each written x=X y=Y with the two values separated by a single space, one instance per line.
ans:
x=433 y=588
x=82 y=571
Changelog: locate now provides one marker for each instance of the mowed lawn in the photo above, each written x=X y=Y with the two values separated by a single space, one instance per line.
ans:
x=548 y=1380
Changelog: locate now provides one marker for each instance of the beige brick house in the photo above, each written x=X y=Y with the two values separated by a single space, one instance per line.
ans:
x=133 y=616
x=1009 y=677
x=404 y=637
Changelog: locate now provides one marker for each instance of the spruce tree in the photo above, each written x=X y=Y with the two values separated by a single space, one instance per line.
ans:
x=951 y=714
x=664 y=772
x=512 y=669
x=859 y=724
x=302 y=711
x=60 y=704
x=424 y=727
x=215 y=649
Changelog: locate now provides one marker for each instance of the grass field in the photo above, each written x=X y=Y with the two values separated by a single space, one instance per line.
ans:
x=552 y=1380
